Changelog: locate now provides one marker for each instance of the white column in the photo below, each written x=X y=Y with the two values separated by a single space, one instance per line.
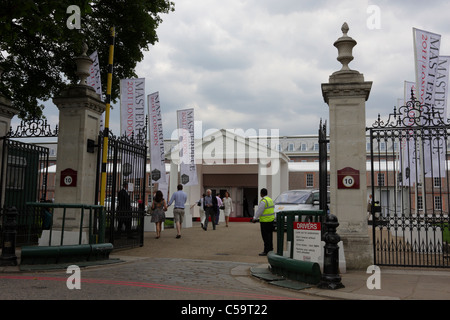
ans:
x=262 y=178
x=187 y=222
x=284 y=168
x=172 y=185
x=276 y=179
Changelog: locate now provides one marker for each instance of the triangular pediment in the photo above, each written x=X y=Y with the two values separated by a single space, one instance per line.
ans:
x=234 y=146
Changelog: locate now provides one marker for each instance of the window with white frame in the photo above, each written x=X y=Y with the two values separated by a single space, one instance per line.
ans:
x=309 y=180
x=437 y=182
x=419 y=203
x=381 y=179
x=438 y=202
x=396 y=148
x=303 y=147
x=291 y=147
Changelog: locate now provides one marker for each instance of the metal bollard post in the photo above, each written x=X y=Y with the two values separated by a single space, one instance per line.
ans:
x=8 y=257
x=330 y=277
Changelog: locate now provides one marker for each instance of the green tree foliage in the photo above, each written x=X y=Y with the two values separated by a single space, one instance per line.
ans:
x=37 y=47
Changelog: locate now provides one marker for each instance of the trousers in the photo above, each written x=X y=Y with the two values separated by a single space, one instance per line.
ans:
x=267 y=235
x=210 y=212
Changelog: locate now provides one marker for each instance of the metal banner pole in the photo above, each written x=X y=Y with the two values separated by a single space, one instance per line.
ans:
x=108 y=107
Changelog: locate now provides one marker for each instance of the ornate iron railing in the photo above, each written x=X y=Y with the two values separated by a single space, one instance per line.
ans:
x=410 y=187
x=33 y=128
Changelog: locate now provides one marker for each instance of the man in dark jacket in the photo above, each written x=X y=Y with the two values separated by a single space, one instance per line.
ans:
x=124 y=210
x=210 y=207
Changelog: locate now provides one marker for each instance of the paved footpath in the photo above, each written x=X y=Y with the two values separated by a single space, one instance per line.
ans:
x=202 y=265
x=211 y=265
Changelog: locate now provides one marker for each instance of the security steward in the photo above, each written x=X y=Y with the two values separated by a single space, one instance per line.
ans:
x=266 y=214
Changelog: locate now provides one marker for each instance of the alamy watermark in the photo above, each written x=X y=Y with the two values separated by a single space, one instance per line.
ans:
x=374 y=280
x=74 y=20
x=74 y=280
x=373 y=21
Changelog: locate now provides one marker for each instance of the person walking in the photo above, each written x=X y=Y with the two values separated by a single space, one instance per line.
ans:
x=266 y=215
x=369 y=207
x=124 y=210
x=219 y=206
x=228 y=207
x=201 y=209
x=245 y=207
x=159 y=207
x=179 y=198
x=210 y=207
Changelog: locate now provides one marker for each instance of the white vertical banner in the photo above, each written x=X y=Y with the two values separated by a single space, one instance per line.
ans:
x=95 y=80
x=441 y=87
x=426 y=54
x=132 y=106
x=186 y=143
x=438 y=148
x=157 y=153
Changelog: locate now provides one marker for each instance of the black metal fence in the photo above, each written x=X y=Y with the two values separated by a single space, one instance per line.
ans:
x=126 y=163
x=23 y=179
x=410 y=188
x=91 y=221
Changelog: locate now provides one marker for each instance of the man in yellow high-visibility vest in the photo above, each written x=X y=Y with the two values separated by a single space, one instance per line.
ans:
x=266 y=214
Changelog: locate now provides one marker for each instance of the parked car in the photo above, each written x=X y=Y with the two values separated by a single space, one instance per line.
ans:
x=294 y=200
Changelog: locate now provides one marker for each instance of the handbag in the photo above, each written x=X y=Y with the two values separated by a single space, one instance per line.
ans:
x=149 y=210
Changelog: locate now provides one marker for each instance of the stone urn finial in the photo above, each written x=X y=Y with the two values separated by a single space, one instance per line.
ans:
x=345 y=46
x=83 y=65
x=85 y=49
x=345 y=29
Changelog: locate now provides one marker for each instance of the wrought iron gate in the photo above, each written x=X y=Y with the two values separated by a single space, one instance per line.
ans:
x=127 y=158
x=323 y=171
x=410 y=185
x=24 y=179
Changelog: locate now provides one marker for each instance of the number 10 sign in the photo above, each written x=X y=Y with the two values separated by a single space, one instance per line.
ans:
x=348 y=178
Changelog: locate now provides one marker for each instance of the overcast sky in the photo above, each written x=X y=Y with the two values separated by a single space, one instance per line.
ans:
x=259 y=64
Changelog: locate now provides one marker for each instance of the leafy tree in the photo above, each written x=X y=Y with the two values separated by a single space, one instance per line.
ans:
x=37 y=47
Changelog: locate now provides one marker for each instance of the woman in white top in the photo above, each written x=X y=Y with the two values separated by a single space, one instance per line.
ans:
x=228 y=203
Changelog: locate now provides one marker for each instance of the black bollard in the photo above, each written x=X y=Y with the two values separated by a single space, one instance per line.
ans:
x=8 y=257
x=330 y=277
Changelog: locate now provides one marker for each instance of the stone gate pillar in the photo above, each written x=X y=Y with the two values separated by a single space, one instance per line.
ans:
x=7 y=112
x=80 y=110
x=346 y=93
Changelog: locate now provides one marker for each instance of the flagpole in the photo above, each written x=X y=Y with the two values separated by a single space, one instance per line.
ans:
x=108 y=107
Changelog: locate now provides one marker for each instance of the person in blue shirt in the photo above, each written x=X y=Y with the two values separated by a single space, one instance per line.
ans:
x=179 y=198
